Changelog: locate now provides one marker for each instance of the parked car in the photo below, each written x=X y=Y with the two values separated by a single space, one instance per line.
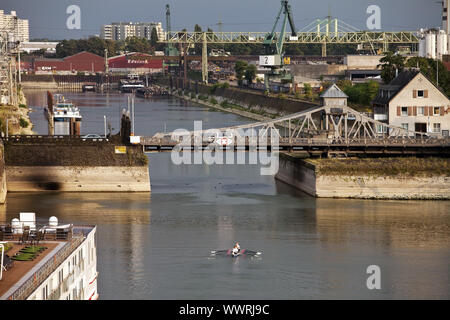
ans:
x=222 y=139
x=93 y=136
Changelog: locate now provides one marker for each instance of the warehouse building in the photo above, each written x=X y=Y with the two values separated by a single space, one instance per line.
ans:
x=81 y=62
x=135 y=62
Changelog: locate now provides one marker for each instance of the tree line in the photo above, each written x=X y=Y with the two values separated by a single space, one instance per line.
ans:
x=433 y=69
x=98 y=45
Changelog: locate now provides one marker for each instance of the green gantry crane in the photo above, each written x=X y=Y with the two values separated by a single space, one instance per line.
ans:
x=170 y=49
x=274 y=55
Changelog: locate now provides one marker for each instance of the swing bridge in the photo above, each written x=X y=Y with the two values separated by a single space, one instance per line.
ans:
x=326 y=130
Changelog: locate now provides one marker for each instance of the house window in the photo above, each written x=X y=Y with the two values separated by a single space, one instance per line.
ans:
x=404 y=111
x=436 y=127
x=420 y=94
x=405 y=126
x=381 y=129
x=44 y=293
x=61 y=275
x=420 y=111
x=436 y=111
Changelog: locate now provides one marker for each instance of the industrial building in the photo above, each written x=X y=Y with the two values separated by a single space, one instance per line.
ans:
x=28 y=47
x=132 y=62
x=434 y=43
x=122 y=30
x=445 y=20
x=135 y=62
x=17 y=29
x=80 y=62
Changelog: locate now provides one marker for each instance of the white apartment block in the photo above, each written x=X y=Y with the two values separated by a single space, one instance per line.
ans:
x=17 y=29
x=445 y=19
x=122 y=30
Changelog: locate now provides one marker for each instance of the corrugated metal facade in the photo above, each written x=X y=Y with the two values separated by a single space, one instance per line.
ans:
x=83 y=62
x=135 y=62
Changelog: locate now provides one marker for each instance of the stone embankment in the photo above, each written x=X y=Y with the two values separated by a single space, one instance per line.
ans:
x=217 y=106
x=383 y=178
x=81 y=166
x=236 y=99
x=16 y=118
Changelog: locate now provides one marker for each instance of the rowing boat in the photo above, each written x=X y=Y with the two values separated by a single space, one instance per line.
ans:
x=229 y=252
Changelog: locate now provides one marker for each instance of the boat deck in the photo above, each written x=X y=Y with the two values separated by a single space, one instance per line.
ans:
x=19 y=281
x=20 y=269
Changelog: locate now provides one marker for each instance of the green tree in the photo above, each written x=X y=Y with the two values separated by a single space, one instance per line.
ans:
x=362 y=93
x=239 y=69
x=390 y=65
x=154 y=38
x=94 y=45
x=428 y=67
x=325 y=85
x=307 y=89
x=344 y=83
x=135 y=44
x=250 y=73
x=198 y=47
x=66 y=48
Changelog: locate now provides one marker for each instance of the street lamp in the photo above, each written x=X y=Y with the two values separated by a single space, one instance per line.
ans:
x=104 y=117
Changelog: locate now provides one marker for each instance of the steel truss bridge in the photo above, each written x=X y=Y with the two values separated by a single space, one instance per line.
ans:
x=327 y=130
x=311 y=37
x=369 y=38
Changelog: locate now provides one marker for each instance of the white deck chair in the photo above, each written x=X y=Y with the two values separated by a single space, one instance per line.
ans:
x=28 y=219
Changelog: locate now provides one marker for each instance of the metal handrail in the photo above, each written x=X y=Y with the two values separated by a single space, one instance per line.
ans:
x=50 y=266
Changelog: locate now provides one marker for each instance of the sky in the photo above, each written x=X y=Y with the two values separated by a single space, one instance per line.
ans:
x=47 y=18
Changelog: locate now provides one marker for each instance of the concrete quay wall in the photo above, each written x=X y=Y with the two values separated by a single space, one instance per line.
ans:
x=304 y=175
x=39 y=85
x=78 y=179
x=251 y=100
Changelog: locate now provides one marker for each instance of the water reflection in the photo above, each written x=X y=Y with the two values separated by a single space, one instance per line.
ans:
x=396 y=224
x=97 y=208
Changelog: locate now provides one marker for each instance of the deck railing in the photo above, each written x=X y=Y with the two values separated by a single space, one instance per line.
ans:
x=36 y=279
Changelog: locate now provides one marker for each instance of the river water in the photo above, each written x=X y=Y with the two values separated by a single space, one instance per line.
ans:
x=156 y=246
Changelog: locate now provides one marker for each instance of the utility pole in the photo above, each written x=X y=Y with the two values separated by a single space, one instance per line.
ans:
x=18 y=54
x=437 y=72
x=205 y=60
x=106 y=61
x=104 y=117
x=132 y=115
x=11 y=93
x=185 y=65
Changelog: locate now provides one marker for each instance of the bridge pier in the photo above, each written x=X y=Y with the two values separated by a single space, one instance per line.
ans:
x=365 y=178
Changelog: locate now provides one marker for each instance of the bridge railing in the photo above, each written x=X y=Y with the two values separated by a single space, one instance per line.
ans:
x=387 y=141
x=302 y=37
x=52 y=138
